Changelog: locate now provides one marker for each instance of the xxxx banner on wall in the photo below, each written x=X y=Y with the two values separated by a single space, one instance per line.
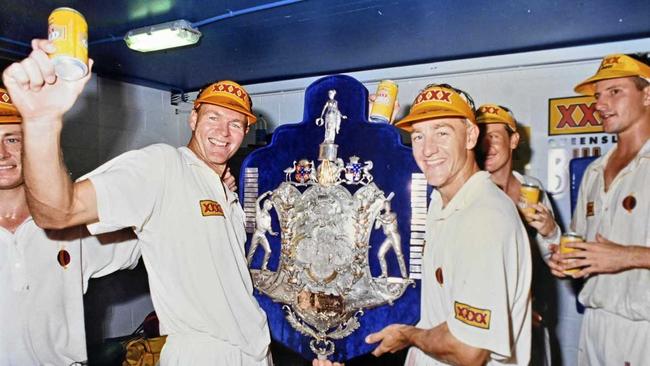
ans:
x=573 y=115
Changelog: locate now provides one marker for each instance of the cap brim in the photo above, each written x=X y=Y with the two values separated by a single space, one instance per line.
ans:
x=587 y=87
x=10 y=119
x=232 y=106
x=489 y=121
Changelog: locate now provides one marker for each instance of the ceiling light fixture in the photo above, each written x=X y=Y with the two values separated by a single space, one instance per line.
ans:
x=162 y=36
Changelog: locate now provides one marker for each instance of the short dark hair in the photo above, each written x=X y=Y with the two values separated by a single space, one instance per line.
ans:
x=640 y=83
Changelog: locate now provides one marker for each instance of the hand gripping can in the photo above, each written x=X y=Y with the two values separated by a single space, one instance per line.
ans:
x=528 y=196
x=68 y=30
x=382 y=108
x=569 y=238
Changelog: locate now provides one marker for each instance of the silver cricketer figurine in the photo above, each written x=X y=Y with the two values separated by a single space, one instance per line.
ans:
x=388 y=220
x=262 y=226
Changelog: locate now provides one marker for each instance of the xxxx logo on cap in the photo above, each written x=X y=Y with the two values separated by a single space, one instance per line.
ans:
x=438 y=101
x=230 y=95
x=493 y=113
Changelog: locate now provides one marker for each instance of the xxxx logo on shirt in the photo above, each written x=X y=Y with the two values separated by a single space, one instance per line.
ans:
x=590 y=209
x=469 y=315
x=210 y=208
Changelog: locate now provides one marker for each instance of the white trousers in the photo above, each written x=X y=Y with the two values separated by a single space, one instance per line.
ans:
x=608 y=339
x=199 y=350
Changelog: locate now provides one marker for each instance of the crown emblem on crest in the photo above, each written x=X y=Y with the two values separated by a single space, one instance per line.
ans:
x=323 y=276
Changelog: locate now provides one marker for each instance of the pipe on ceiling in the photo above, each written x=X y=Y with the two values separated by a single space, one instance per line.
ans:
x=18 y=43
x=13 y=52
x=252 y=9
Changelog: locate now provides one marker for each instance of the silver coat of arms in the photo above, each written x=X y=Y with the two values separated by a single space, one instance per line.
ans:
x=323 y=276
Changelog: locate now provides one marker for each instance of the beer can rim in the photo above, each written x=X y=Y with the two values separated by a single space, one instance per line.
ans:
x=388 y=81
x=572 y=234
x=378 y=118
x=530 y=185
x=69 y=60
x=65 y=8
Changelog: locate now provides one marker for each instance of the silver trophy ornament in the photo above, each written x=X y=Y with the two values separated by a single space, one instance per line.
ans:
x=323 y=277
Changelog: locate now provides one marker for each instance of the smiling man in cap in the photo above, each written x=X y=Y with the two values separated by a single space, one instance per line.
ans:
x=44 y=274
x=190 y=226
x=612 y=214
x=475 y=306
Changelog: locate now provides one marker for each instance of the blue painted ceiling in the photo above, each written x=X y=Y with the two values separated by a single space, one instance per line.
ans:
x=311 y=37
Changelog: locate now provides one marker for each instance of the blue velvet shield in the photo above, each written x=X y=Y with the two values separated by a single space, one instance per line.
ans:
x=393 y=166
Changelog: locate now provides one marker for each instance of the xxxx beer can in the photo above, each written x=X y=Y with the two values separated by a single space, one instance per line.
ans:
x=68 y=30
x=382 y=108
x=569 y=238
x=528 y=196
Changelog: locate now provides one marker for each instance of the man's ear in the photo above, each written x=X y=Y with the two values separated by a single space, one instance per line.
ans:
x=194 y=118
x=514 y=140
x=646 y=96
x=472 y=135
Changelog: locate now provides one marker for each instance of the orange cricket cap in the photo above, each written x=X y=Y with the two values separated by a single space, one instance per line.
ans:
x=437 y=101
x=228 y=94
x=612 y=67
x=8 y=113
x=493 y=113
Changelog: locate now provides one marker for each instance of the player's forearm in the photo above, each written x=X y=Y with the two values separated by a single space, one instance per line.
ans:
x=544 y=242
x=638 y=257
x=49 y=188
x=439 y=343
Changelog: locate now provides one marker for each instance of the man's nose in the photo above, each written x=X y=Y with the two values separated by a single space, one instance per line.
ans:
x=4 y=152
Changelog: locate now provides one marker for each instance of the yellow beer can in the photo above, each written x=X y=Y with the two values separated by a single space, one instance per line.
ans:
x=528 y=196
x=382 y=108
x=569 y=238
x=68 y=30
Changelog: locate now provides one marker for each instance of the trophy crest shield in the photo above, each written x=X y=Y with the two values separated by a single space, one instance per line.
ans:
x=330 y=241
x=304 y=171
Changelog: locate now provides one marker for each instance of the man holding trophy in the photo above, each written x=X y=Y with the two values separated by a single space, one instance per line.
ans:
x=476 y=274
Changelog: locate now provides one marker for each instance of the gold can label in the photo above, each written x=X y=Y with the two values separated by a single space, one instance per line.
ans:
x=68 y=30
x=528 y=196
x=569 y=238
x=382 y=108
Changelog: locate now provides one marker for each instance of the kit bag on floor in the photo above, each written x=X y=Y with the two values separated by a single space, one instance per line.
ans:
x=144 y=349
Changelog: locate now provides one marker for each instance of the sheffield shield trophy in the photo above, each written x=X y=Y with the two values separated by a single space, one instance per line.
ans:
x=323 y=277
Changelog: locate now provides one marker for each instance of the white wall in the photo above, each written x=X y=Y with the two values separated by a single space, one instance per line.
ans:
x=111 y=117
